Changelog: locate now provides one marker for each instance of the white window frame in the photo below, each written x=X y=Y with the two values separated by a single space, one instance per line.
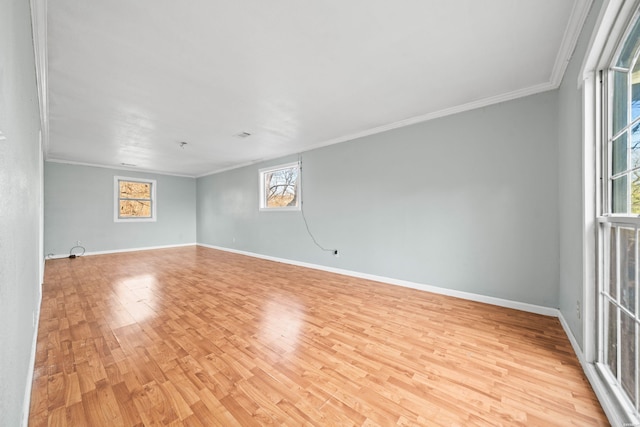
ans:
x=262 y=190
x=116 y=199
x=611 y=26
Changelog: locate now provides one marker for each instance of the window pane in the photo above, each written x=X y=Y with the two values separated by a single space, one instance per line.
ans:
x=267 y=188
x=635 y=91
x=627 y=267
x=612 y=338
x=619 y=104
x=281 y=187
x=619 y=154
x=635 y=146
x=635 y=192
x=630 y=46
x=135 y=209
x=613 y=269
x=619 y=195
x=628 y=355
x=135 y=190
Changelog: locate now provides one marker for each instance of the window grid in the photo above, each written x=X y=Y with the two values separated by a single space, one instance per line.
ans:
x=613 y=290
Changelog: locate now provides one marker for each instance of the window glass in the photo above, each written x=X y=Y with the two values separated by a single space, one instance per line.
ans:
x=628 y=261
x=619 y=105
x=619 y=154
x=619 y=195
x=635 y=192
x=627 y=355
x=629 y=47
x=612 y=339
x=135 y=199
x=635 y=91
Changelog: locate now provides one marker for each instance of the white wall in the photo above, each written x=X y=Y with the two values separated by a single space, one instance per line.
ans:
x=467 y=202
x=20 y=184
x=79 y=205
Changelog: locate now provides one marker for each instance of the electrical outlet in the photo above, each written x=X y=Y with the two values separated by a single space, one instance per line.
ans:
x=578 y=308
x=234 y=240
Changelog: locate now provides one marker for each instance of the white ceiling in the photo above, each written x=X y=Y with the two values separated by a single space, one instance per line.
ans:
x=127 y=81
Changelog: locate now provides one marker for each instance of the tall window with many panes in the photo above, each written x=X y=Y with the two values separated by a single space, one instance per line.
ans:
x=619 y=308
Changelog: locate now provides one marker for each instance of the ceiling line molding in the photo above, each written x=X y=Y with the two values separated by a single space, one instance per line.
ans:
x=97 y=165
x=244 y=165
x=485 y=102
x=39 y=33
x=579 y=14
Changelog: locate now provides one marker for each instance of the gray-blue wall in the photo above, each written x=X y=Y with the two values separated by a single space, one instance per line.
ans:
x=79 y=205
x=466 y=202
x=20 y=209
x=571 y=176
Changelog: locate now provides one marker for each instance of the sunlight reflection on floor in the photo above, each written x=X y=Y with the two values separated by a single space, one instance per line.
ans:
x=282 y=320
x=137 y=295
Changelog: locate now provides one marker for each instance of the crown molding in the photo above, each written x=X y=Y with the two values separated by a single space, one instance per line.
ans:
x=96 y=165
x=578 y=16
x=39 y=32
x=485 y=102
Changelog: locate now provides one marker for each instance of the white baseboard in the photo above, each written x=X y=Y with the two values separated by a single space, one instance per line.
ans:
x=32 y=362
x=116 y=251
x=531 y=308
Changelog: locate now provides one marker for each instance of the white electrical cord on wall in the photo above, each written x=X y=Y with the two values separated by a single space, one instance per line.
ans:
x=306 y=224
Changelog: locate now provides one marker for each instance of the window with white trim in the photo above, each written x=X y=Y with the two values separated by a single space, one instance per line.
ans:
x=134 y=199
x=619 y=230
x=280 y=188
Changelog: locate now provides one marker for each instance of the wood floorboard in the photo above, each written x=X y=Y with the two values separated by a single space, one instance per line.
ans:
x=193 y=336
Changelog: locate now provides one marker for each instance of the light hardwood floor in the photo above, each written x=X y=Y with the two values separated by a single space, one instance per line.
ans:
x=198 y=337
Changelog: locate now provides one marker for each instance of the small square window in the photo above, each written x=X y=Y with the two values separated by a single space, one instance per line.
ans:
x=280 y=188
x=135 y=199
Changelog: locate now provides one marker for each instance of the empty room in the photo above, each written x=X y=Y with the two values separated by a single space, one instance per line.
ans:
x=360 y=213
